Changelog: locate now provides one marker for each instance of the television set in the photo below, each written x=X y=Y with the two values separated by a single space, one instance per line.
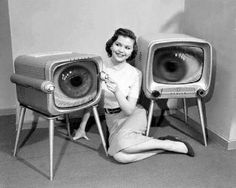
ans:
x=57 y=82
x=174 y=65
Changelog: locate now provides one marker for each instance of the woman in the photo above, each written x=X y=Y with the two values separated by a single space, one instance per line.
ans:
x=125 y=119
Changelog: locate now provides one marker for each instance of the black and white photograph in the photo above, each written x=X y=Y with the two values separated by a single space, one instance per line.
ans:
x=118 y=94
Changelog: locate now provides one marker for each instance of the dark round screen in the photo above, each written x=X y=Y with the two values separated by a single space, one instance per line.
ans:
x=172 y=69
x=75 y=81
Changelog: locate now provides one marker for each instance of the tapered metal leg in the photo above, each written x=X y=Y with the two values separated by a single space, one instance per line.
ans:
x=96 y=116
x=68 y=125
x=185 y=110
x=150 y=113
x=51 y=139
x=200 y=109
x=21 y=120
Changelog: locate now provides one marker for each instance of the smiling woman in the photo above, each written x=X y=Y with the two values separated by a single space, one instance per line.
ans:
x=127 y=121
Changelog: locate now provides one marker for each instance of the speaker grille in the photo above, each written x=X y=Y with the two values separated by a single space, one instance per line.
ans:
x=30 y=70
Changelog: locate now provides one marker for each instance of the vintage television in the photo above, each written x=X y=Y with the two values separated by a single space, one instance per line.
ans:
x=58 y=82
x=54 y=84
x=174 y=65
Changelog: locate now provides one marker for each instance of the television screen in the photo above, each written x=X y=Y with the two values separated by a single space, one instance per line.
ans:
x=76 y=83
x=178 y=64
x=174 y=65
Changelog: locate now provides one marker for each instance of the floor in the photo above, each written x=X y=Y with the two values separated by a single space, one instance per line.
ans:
x=84 y=163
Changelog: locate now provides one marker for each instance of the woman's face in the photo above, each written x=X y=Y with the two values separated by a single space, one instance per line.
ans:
x=122 y=49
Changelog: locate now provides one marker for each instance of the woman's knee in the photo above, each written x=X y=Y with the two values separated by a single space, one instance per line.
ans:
x=123 y=157
x=140 y=114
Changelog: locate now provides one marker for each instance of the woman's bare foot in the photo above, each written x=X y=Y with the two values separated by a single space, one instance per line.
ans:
x=80 y=134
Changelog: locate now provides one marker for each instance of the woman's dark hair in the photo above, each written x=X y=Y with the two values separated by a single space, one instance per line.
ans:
x=125 y=33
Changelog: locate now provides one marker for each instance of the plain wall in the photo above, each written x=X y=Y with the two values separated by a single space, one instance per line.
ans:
x=215 y=21
x=83 y=26
x=7 y=90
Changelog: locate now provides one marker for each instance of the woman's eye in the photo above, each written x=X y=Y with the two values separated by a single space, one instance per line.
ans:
x=117 y=44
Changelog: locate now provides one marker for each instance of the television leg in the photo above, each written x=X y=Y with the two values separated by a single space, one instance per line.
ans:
x=21 y=120
x=185 y=110
x=150 y=113
x=51 y=140
x=98 y=122
x=200 y=109
x=68 y=125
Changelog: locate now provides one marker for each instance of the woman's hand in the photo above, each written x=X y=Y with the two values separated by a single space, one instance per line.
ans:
x=111 y=85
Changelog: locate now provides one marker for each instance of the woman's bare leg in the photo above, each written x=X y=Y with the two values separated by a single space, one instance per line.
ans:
x=80 y=132
x=155 y=144
x=123 y=157
x=148 y=149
